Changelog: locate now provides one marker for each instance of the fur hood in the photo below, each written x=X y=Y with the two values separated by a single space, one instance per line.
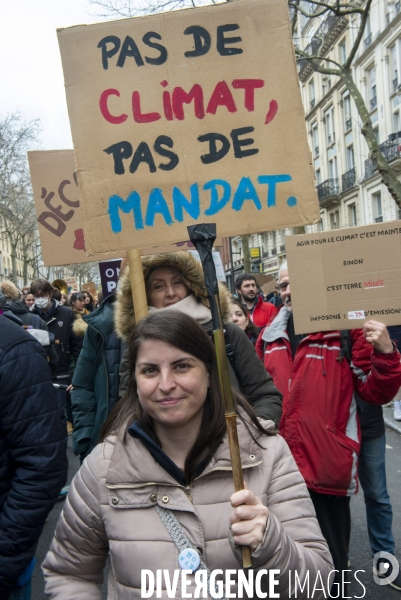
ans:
x=190 y=269
x=79 y=327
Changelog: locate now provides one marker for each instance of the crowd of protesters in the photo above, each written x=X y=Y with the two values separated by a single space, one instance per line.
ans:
x=143 y=405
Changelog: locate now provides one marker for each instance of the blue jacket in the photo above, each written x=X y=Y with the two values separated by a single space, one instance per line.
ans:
x=33 y=459
x=96 y=378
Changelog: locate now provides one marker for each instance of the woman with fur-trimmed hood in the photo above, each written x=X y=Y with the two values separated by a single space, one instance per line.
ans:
x=174 y=281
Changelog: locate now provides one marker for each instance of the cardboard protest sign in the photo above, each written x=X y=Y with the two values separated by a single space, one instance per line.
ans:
x=54 y=184
x=90 y=287
x=220 y=273
x=72 y=284
x=184 y=117
x=342 y=278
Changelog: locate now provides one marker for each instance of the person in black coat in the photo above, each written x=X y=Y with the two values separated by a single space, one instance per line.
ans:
x=59 y=320
x=17 y=306
x=33 y=459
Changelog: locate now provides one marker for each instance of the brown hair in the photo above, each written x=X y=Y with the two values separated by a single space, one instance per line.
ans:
x=183 y=332
x=41 y=286
x=251 y=328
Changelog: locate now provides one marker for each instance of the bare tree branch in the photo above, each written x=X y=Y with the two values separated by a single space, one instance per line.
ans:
x=359 y=36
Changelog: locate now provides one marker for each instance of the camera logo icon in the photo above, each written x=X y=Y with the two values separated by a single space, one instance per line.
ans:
x=385 y=568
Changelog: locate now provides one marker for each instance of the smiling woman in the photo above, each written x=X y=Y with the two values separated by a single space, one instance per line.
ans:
x=164 y=450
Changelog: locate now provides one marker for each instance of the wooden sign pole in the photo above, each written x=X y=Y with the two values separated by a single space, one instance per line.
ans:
x=137 y=284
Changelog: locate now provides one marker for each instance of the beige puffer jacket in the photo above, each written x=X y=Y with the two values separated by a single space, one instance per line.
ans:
x=110 y=509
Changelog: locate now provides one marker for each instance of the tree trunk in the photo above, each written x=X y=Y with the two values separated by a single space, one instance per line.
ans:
x=14 y=262
x=246 y=253
x=389 y=177
x=25 y=268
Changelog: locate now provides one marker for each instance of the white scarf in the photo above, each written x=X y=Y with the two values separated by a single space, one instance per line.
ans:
x=189 y=306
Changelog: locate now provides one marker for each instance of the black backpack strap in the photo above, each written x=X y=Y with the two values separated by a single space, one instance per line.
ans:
x=346 y=345
x=230 y=356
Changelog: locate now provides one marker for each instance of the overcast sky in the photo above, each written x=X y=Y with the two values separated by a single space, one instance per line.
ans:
x=30 y=66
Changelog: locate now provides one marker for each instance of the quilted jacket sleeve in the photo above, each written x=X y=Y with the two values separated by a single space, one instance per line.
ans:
x=33 y=460
x=255 y=382
x=73 y=567
x=377 y=376
x=293 y=540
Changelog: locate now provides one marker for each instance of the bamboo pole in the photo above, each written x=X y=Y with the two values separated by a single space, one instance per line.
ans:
x=137 y=284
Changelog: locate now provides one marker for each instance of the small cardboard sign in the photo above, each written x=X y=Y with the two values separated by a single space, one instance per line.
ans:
x=186 y=117
x=72 y=284
x=220 y=273
x=340 y=279
x=89 y=287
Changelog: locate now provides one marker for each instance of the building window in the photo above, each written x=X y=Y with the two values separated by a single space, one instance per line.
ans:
x=347 y=112
x=372 y=88
x=343 y=52
x=394 y=68
x=377 y=208
x=376 y=132
x=320 y=225
x=329 y=122
x=312 y=98
x=333 y=174
x=349 y=155
x=396 y=121
x=315 y=140
x=352 y=217
x=318 y=176
x=335 y=220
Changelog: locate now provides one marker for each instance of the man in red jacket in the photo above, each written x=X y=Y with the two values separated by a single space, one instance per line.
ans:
x=262 y=313
x=319 y=420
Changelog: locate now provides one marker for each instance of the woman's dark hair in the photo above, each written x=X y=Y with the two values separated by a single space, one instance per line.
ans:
x=76 y=296
x=183 y=332
x=251 y=329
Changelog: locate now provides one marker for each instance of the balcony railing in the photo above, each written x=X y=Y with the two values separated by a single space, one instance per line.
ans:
x=330 y=187
x=327 y=33
x=373 y=103
x=395 y=84
x=282 y=248
x=274 y=251
x=379 y=219
x=348 y=124
x=312 y=103
x=316 y=151
x=348 y=179
x=368 y=41
x=331 y=138
x=370 y=168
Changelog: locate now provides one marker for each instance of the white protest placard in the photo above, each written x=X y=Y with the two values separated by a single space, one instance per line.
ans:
x=184 y=117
